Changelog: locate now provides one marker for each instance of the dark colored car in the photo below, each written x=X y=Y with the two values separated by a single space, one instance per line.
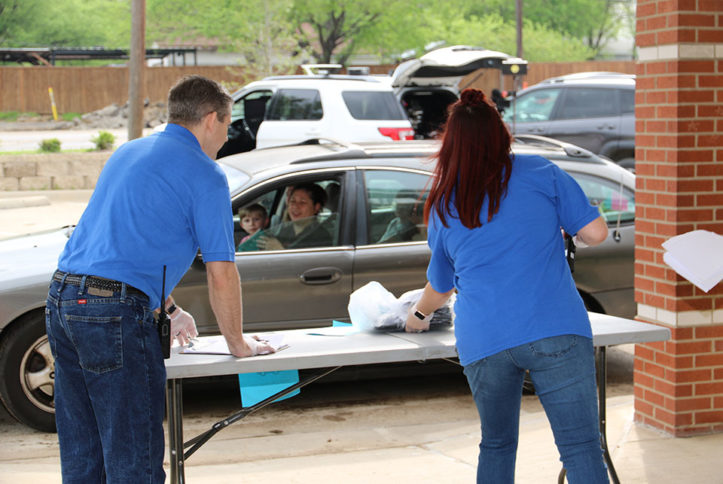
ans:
x=309 y=286
x=593 y=110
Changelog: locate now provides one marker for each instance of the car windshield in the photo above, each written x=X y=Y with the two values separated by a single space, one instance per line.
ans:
x=236 y=178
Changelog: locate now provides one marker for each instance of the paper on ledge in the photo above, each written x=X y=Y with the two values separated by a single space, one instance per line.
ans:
x=697 y=256
x=216 y=345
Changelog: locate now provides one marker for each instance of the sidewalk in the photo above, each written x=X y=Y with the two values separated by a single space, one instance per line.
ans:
x=429 y=440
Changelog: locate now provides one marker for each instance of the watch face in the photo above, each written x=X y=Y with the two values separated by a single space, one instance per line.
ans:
x=419 y=315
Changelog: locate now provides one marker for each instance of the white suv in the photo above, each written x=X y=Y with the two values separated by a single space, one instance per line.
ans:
x=291 y=109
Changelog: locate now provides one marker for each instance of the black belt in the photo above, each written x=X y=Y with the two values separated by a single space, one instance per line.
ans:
x=96 y=282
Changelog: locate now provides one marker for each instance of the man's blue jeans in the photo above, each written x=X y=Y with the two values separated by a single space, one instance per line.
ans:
x=109 y=386
x=562 y=369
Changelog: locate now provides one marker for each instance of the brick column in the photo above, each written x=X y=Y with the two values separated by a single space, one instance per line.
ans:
x=679 y=166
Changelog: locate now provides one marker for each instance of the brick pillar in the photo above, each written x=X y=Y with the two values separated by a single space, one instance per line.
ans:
x=679 y=166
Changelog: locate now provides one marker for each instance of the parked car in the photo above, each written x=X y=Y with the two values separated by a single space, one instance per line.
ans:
x=428 y=85
x=594 y=110
x=283 y=110
x=290 y=109
x=365 y=184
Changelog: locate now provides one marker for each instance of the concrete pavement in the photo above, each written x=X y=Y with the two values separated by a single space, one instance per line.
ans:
x=422 y=439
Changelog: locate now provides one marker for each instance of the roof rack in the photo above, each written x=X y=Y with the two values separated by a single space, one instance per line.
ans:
x=571 y=150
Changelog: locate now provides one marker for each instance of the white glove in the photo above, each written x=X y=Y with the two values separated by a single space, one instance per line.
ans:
x=183 y=326
x=258 y=347
x=414 y=324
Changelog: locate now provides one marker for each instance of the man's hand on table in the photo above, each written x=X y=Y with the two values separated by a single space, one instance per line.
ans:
x=252 y=346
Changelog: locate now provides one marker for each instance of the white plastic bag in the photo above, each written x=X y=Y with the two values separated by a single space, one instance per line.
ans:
x=367 y=305
x=371 y=307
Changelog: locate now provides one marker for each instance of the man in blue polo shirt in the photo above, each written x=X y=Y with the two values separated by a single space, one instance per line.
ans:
x=158 y=200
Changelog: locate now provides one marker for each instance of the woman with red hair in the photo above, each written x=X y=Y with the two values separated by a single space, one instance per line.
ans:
x=495 y=234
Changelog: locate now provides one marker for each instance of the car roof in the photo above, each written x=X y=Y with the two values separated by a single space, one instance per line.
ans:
x=591 y=78
x=357 y=83
x=416 y=154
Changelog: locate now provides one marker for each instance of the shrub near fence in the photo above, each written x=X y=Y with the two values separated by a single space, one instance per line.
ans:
x=86 y=89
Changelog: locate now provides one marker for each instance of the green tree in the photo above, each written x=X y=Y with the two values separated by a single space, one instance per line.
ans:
x=67 y=23
x=335 y=29
x=259 y=31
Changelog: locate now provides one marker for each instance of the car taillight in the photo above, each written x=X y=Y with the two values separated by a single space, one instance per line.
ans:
x=397 y=134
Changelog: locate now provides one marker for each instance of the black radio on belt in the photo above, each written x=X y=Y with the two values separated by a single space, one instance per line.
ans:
x=164 y=324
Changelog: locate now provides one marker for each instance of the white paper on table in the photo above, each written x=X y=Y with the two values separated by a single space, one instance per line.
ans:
x=697 y=256
x=216 y=345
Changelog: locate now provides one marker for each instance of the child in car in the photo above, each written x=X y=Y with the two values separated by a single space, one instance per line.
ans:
x=252 y=219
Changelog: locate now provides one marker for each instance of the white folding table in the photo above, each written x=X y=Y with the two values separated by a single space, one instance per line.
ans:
x=307 y=350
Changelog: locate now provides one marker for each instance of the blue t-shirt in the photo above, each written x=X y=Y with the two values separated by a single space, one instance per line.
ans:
x=513 y=281
x=157 y=201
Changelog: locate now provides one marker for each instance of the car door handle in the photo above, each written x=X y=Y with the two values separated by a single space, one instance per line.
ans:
x=321 y=275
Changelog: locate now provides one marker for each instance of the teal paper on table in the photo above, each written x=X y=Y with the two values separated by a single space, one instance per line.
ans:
x=336 y=323
x=256 y=387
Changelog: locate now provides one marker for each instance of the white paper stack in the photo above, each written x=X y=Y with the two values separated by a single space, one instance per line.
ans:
x=697 y=256
x=216 y=345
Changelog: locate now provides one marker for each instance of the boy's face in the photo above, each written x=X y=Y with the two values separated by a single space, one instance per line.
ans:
x=253 y=222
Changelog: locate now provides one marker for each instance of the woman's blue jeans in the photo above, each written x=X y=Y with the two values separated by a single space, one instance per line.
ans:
x=562 y=369
x=109 y=386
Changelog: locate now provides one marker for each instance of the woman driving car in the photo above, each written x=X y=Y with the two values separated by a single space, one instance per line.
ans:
x=303 y=230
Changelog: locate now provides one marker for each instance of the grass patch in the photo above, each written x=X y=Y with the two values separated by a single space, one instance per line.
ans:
x=9 y=115
x=70 y=116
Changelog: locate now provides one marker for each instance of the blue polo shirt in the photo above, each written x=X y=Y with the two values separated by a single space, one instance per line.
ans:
x=514 y=285
x=157 y=201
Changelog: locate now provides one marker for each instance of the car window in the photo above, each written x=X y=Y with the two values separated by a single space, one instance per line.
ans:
x=533 y=107
x=373 y=105
x=395 y=204
x=588 y=102
x=238 y=110
x=627 y=100
x=295 y=105
x=292 y=217
x=612 y=199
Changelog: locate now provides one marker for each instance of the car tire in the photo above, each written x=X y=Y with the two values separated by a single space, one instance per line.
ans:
x=27 y=373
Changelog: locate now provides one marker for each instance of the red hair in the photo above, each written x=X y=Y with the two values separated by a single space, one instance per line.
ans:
x=473 y=162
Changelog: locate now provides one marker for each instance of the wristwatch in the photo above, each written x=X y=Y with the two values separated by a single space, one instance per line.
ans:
x=171 y=309
x=419 y=314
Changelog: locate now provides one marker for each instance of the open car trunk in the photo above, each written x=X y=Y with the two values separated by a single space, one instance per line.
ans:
x=427 y=110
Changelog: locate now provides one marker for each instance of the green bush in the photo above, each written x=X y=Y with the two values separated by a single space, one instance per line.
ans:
x=104 y=140
x=51 y=145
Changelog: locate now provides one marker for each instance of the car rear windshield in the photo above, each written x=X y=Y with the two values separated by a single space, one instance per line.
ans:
x=376 y=105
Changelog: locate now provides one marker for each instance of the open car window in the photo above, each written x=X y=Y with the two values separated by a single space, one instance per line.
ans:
x=395 y=204
x=299 y=215
x=612 y=199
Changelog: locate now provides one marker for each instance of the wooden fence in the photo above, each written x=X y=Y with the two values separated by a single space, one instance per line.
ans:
x=85 y=89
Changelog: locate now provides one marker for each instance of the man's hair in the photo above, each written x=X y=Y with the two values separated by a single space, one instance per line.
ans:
x=193 y=97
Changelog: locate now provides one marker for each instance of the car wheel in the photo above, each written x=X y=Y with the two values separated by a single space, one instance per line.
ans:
x=27 y=373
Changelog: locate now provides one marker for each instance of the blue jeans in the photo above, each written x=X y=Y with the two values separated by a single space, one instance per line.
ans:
x=562 y=369
x=109 y=386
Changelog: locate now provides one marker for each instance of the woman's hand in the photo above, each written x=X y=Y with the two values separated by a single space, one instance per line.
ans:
x=414 y=324
x=266 y=242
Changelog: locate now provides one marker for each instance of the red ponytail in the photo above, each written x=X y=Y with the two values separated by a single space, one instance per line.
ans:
x=473 y=162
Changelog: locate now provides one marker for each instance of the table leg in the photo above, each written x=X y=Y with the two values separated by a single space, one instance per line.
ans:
x=174 y=409
x=601 y=356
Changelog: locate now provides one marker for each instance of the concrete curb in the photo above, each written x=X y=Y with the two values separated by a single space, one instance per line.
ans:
x=24 y=202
